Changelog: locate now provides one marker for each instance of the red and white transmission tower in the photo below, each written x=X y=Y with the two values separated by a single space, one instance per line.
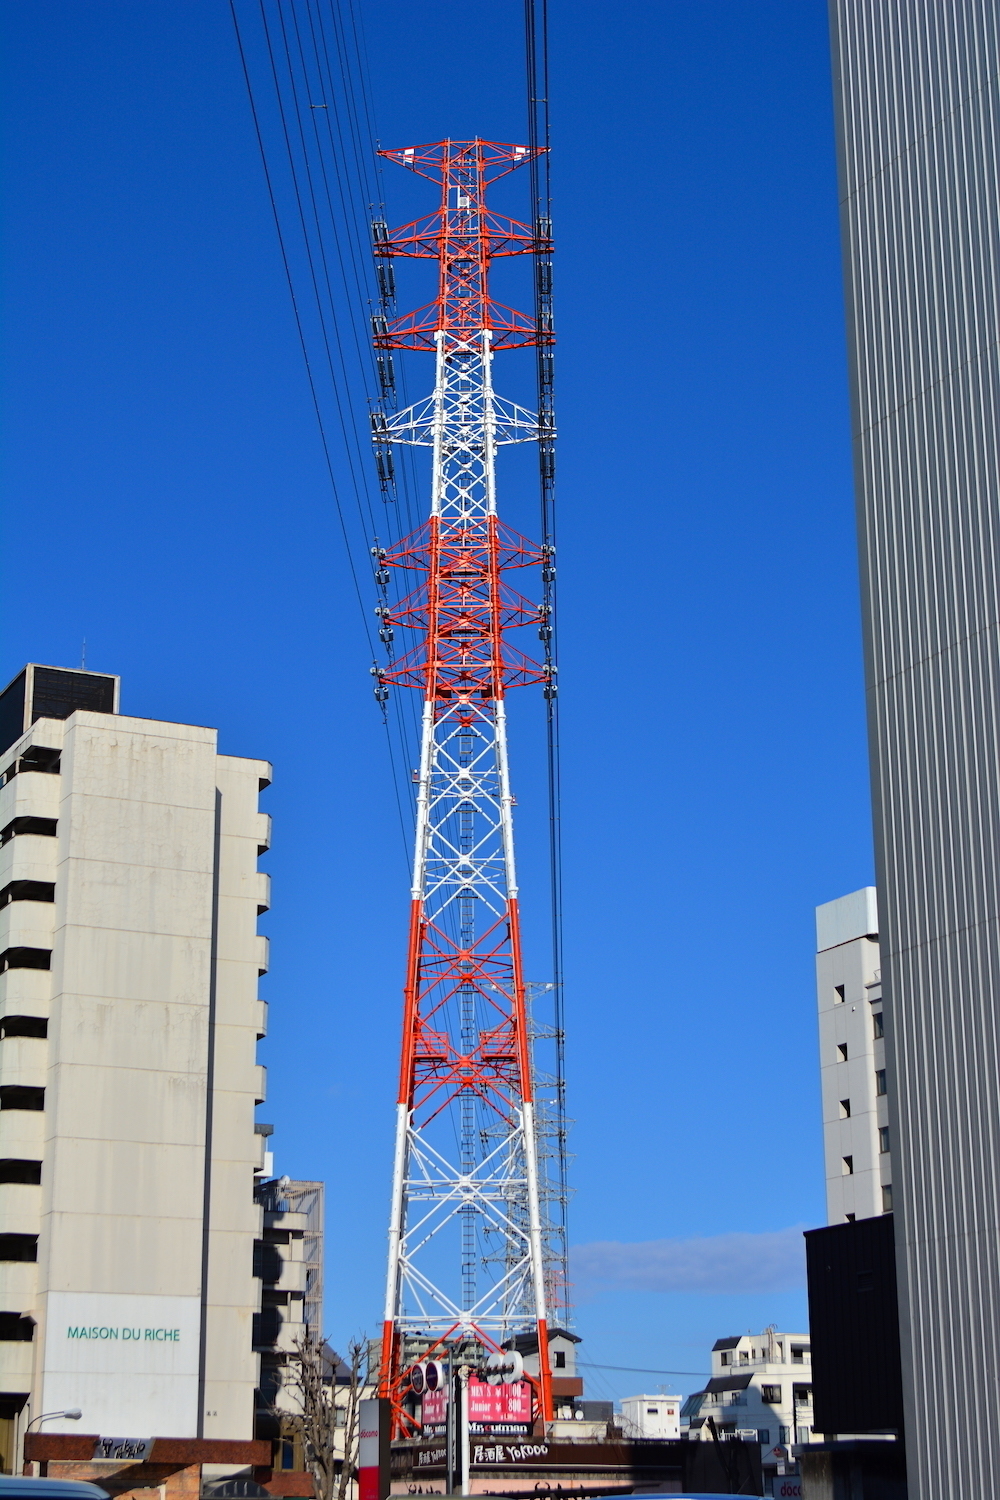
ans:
x=466 y=1251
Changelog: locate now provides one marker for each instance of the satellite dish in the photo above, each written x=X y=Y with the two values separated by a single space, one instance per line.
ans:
x=417 y=1381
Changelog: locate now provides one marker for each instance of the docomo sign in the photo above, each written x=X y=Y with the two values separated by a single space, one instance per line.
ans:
x=788 y=1489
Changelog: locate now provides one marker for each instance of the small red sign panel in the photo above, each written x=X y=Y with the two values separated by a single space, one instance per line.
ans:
x=496 y=1405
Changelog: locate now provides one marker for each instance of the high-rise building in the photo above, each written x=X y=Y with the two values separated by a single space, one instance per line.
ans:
x=129 y=1018
x=917 y=95
x=856 y=1138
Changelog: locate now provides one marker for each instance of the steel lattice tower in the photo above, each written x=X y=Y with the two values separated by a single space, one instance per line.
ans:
x=466 y=1258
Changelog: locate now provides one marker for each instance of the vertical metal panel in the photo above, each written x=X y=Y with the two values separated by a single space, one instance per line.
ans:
x=916 y=92
x=856 y=1377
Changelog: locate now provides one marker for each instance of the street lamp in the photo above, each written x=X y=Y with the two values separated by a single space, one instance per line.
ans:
x=73 y=1413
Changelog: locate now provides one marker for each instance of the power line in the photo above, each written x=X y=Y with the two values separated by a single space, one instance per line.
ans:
x=317 y=403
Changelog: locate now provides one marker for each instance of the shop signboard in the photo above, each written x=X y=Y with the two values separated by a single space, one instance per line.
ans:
x=503 y=1409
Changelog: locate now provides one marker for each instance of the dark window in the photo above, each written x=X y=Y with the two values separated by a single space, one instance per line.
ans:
x=801 y=1395
x=57 y=693
x=887 y=1198
x=726 y=1358
x=25 y=958
x=799 y=1352
x=845 y=1109
x=771 y=1394
x=838 y=994
x=266 y=1327
x=18 y=1246
x=12 y=712
x=24 y=1026
x=15 y=1330
x=267 y=1261
x=764 y=1436
x=18 y=1169
x=883 y=1139
x=878 y=1025
x=842 y=1051
x=880 y=1080
x=27 y=890
x=848 y=1172
x=560 y=1359
x=40 y=758
x=25 y=824
x=20 y=1096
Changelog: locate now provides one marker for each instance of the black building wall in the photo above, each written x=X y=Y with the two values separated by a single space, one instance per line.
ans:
x=854 y=1327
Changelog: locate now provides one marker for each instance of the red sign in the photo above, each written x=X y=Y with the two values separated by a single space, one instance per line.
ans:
x=496 y=1405
x=434 y=1411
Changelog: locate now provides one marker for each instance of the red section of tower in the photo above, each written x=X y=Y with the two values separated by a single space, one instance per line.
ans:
x=462 y=611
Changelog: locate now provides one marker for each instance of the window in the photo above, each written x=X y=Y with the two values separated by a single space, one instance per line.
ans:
x=27 y=890
x=878 y=1025
x=841 y=1051
x=560 y=1359
x=40 y=758
x=880 y=1080
x=20 y=1096
x=783 y=1434
x=24 y=1026
x=15 y=1330
x=764 y=1436
x=18 y=1247
x=744 y=1356
x=887 y=1198
x=845 y=1109
x=771 y=1394
x=44 y=826
x=801 y=1395
x=838 y=994
x=17 y=1169
x=799 y=1353
x=652 y=1411
x=725 y=1358
x=25 y=958
x=848 y=1167
x=883 y=1139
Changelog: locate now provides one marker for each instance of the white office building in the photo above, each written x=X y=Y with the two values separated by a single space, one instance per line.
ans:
x=129 y=1019
x=760 y=1390
x=852 y=1059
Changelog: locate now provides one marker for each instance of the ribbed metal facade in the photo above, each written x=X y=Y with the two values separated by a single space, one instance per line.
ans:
x=916 y=91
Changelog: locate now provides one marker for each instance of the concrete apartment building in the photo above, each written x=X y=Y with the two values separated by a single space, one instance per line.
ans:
x=856 y=1131
x=917 y=102
x=129 y=1020
x=760 y=1389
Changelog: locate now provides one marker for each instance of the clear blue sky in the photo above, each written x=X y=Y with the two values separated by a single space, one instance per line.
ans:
x=165 y=498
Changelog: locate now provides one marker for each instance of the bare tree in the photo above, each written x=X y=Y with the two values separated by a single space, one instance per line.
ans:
x=319 y=1404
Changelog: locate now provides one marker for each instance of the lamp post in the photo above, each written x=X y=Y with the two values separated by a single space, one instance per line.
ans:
x=72 y=1413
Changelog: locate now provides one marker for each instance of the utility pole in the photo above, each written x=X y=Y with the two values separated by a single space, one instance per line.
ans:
x=466 y=1258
